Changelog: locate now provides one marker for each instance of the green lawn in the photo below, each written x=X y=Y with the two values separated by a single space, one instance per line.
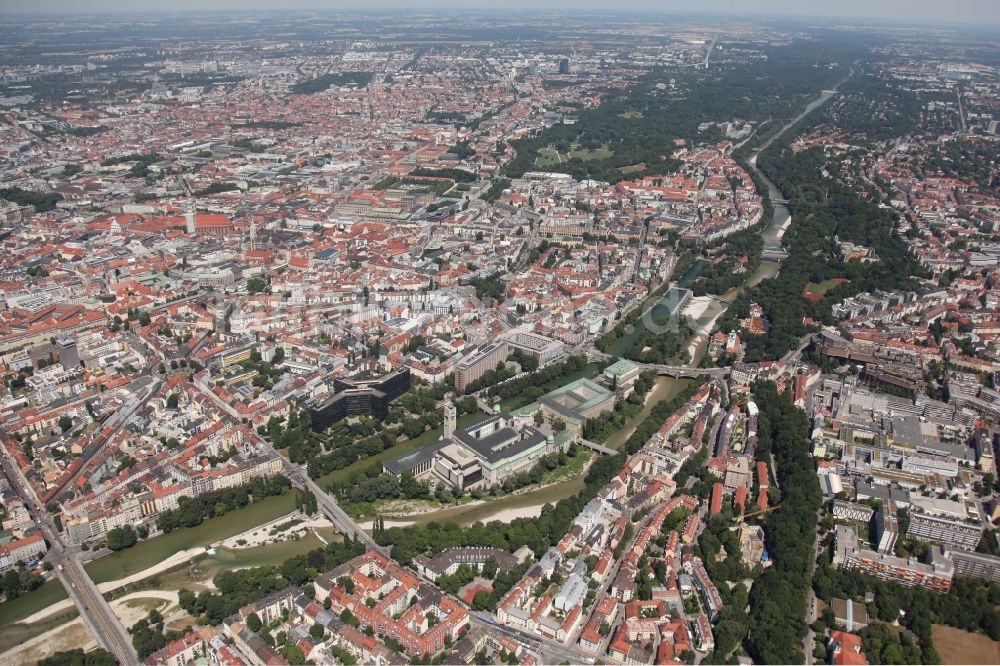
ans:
x=602 y=153
x=548 y=157
x=820 y=289
x=573 y=468
x=630 y=115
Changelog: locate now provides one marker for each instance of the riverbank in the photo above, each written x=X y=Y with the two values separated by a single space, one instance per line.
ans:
x=23 y=645
x=664 y=388
x=150 y=554
x=293 y=525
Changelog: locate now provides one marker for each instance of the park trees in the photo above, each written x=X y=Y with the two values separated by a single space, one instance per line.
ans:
x=121 y=538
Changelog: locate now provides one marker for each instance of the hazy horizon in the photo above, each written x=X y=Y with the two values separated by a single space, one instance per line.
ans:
x=961 y=11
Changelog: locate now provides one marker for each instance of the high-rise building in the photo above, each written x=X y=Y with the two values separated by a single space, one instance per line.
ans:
x=952 y=524
x=886 y=527
x=450 y=419
x=69 y=356
x=936 y=574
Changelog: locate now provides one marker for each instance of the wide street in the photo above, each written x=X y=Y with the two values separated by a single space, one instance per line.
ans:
x=94 y=609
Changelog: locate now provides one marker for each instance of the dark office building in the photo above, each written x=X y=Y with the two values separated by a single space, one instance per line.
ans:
x=564 y=66
x=359 y=398
x=69 y=356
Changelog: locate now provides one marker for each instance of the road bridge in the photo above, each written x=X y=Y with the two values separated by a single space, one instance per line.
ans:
x=341 y=521
x=96 y=613
x=594 y=446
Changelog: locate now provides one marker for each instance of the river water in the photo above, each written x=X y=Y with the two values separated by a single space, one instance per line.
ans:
x=665 y=387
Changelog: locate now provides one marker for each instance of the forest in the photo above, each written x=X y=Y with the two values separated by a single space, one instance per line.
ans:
x=822 y=210
x=725 y=272
x=778 y=598
x=640 y=123
x=42 y=201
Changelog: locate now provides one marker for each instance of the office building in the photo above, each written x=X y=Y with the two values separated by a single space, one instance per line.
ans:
x=934 y=575
x=952 y=524
x=484 y=359
x=69 y=355
x=886 y=527
x=544 y=349
x=969 y=564
x=359 y=398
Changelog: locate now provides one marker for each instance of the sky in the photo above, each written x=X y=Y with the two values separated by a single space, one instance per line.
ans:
x=963 y=11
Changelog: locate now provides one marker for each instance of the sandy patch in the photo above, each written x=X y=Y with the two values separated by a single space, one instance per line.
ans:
x=697 y=306
x=367 y=525
x=75 y=634
x=508 y=515
x=410 y=508
x=64 y=637
x=169 y=563
x=262 y=534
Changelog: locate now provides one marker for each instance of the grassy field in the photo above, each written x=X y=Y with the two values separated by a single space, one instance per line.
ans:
x=633 y=168
x=630 y=115
x=961 y=647
x=548 y=157
x=820 y=289
x=602 y=153
x=573 y=468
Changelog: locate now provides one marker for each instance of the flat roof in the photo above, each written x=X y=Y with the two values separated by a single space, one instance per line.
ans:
x=410 y=460
x=502 y=444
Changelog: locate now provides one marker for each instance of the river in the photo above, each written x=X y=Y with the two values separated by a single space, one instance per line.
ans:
x=665 y=387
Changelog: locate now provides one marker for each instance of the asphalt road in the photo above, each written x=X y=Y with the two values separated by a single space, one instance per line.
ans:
x=94 y=610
